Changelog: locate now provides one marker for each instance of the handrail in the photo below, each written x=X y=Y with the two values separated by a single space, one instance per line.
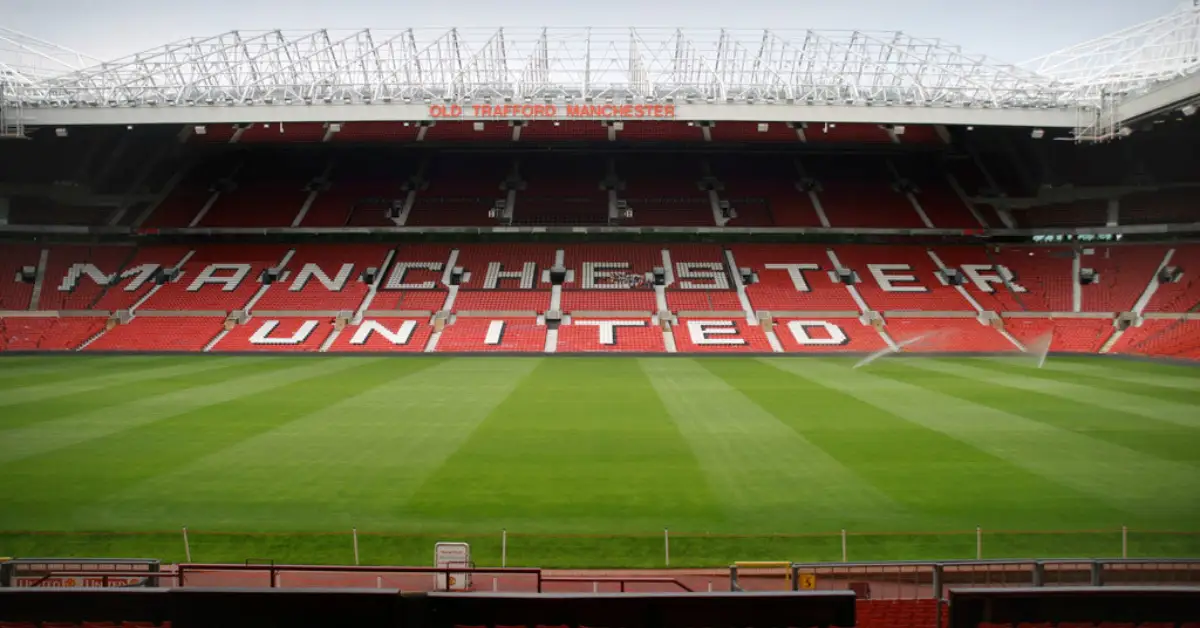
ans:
x=620 y=579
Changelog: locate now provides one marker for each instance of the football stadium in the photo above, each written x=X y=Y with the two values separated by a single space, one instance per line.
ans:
x=601 y=327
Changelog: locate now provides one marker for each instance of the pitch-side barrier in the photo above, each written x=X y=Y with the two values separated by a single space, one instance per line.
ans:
x=930 y=580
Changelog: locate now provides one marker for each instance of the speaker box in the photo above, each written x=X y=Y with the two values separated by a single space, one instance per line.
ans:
x=660 y=276
x=558 y=275
x=165 y=275
x=1170 y=274
x=269 y=276
x=952 y=277
x=456 y=275
x=1088 y=276
x=27 y=274
x=369 y=275
x=847 y=276
x=748 y=276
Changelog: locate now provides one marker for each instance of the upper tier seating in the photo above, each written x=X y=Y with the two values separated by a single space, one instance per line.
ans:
x=771 y=178
x=269 y=191
x=665 y=191
x=16 y=294
x=361 y=188
x=493 y=334
x=1073 y=335
x=154 y=333
x=235 y=277
x=778 y=291
x=562 y=189
x=592 y=335
x=461 y=189
x=706 y=335
x=185 y=201
x=947 y=334
x=342 y=266
x=944 y=208
x=859 y=192
x=47 y=334
x=827 y=334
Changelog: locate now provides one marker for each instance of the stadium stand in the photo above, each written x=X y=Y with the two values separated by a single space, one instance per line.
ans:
x=902 y=278
x=585 y=335
x=323 y=278
x=1070 y=335
x=267 y=191
x=276 y=334
x=67 y=288
x=827 y=334
x=217 y=278
x=947 y=335
x=700 y=335
x=46 y=333
x=160 y=333
x=1182 y=295
x=493 y=334
x=14 y=258
x=382 y=334
x=808 y=288
x=1167 y=338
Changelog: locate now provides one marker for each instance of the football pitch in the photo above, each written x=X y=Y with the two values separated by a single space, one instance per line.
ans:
x=590 y=462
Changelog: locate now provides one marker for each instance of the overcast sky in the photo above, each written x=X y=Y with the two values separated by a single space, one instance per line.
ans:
x=1008 y=30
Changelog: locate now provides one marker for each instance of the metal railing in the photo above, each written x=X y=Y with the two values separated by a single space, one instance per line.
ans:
x=930 y=579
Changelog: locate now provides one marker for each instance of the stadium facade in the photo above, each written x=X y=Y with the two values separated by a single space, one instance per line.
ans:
x=559 y=190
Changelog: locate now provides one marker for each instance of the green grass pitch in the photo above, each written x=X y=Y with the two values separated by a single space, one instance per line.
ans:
x=585 y=461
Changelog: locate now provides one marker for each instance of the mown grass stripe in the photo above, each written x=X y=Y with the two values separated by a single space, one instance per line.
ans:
x=1117 y=371
x=154 y=448
x=118 y=374
x=581 y=445
x=1100 y=394
x=1161 y=439
x=1103 y=474
x=360 y=458
x=762 y=470
x=65 y=368
x=163 y=383
x=925 y=469
x=37 y=439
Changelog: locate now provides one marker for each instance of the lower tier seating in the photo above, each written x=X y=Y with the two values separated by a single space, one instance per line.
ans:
x=1166 y=338
x=716 y=335
x=493 y=334
x=946 y=334
x=1074 y=335
x=276 y=334
x=610 y=335
x=155 y=333
x=47 y=334
x=383 y=334
x=827 y=334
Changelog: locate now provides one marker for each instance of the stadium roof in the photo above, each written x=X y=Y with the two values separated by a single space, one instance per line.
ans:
x=851 y=76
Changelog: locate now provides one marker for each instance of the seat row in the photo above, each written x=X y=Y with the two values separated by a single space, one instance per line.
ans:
x=600 y=278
